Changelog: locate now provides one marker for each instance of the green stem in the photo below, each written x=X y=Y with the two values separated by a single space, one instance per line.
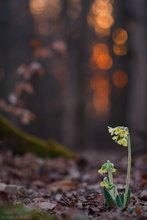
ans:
x=110 y=177
x=128 y=172
x=116 y=191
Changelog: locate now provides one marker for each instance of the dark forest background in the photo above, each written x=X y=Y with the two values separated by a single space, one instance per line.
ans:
x=70 y=68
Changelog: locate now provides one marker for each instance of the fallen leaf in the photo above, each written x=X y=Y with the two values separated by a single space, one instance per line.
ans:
x=64 y=185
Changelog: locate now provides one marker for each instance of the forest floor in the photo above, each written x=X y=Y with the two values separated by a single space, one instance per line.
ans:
x=69 y=189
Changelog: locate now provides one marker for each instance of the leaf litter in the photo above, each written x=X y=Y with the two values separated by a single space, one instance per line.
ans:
x=70 y=189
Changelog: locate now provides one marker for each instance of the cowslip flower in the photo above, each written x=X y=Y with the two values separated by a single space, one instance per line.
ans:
x=123 y=142
x=115 y=138
x=111 y=130
x=123 y=133
x=108 y=166
x=120 y=135
x=117 y=130
x=105 y=183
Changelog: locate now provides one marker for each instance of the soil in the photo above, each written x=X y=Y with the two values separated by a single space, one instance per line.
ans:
x=69 y=189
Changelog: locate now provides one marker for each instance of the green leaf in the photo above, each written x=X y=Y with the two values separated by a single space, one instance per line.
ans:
x=129 y=196
x=119 y=202
x=108 y=197
x=122 y=197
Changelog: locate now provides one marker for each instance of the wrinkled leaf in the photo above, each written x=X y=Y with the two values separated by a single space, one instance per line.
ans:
x=122 y=197
x=129 y=196
x=119 y=202
x=108 y=197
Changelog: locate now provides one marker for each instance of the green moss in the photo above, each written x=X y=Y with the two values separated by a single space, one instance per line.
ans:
x=22 y=142
x=16 y=212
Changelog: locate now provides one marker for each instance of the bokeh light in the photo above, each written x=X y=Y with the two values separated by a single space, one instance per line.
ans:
x=120 y=36
x=45 y=11
x=38 y=6
x=105 y=21
x=120 y=50
x=102 y=7
x=47 y=8
x=101 y=56
x=100 y=48
x=35 y=43
x=100 y=17
x=101 y=88
x=104 y=61
x=119 y=79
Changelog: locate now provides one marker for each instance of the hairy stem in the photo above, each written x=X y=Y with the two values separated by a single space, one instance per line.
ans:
x=128 y=172
x=116 y=191
x=110 y=177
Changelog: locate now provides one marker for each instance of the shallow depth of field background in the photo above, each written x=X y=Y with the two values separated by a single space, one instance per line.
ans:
x=70 y=68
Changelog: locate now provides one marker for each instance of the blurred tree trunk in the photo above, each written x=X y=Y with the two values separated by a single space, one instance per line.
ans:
x=119 y=96
x=74 y=99
x=16 y=28
x=138 y=90
x=4 y=44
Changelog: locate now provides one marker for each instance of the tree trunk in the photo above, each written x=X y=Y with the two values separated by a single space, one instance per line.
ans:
x=74 y=99
x=138 y=90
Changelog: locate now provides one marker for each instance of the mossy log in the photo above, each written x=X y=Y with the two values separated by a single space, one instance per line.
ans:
x=20 y=211
x=21 y=142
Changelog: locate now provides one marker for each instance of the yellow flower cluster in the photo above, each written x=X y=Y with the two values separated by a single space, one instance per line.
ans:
x=120 y=135
x=105 y=183
x=107 y=167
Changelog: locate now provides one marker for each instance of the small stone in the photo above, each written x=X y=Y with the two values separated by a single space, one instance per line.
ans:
x=58 y=197
x=15 y=189
x=74 y=173
x=46 y=206
x=3 y=187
